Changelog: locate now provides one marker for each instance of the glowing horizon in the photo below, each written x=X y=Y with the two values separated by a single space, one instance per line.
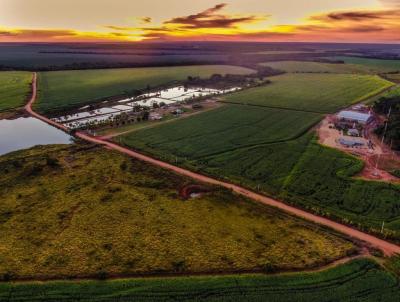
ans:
x=370 y=21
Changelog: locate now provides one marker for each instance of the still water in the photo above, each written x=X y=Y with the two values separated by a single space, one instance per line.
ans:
x=23 y=133
x=167 y=96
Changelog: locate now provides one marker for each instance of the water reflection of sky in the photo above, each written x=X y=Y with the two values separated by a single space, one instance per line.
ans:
x=167 y=96
x=23 y=133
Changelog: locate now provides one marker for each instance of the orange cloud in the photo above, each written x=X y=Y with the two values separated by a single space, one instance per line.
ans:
x=213 y=24
x=360 y=16
x=210 y=24
x=361 y=25
x=211 y=18
x=146 y=19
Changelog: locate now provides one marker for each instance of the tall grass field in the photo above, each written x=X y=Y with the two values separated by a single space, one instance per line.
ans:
x=105 y=215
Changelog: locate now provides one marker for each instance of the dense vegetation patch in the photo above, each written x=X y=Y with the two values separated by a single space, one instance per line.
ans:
x=14 y=89
x=359 y=280
x=389 y=106
x=83 y=211
x=321 y=182
x=312 y=92
x=62 y=90
x=220 y=130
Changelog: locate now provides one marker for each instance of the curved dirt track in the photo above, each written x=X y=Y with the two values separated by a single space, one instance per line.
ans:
x=387 y=248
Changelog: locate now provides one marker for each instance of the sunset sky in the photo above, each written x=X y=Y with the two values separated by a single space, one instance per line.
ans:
x=203 y=20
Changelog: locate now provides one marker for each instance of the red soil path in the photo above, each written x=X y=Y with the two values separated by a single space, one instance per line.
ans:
x=387 y=248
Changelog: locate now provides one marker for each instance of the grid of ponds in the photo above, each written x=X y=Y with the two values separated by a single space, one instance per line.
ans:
x=166 y=96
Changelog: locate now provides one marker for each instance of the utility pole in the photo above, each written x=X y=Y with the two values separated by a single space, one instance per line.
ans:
x=391 y=148
x=383 y=225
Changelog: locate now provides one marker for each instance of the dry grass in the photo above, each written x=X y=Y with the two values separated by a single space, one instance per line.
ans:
x=73 y=211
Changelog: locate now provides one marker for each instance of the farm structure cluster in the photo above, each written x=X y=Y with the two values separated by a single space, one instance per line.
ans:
x=354 y=124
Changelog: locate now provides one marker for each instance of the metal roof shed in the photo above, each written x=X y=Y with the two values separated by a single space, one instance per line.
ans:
x=350 y=143
x=360 y=117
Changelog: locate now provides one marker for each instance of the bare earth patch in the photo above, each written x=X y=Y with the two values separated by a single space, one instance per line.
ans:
x=329 y=136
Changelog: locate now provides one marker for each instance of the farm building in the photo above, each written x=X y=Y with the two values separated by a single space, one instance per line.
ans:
x=354 y=132
x=155 y=116
x=360 y=108
x=354 y=116
x=177 y=111
x=350 y=143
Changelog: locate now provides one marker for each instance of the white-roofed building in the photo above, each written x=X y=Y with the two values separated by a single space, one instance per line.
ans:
x=354 y=116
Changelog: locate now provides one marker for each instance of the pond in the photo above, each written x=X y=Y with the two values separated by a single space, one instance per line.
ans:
x=23 y=133
x=167 y=96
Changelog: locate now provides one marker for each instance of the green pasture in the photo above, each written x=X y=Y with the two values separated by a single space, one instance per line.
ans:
x=375 y=65
x=324 y=93
x=316 y=67
x=14 y=89
x=221 y=130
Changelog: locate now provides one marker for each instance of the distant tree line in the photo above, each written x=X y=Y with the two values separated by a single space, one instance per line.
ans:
x=234 y=80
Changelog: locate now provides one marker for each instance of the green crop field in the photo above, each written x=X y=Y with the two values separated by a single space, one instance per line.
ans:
x=313 y=92
x=375 y=65
x=220 y=130
x=14 y=89
x=262 y=168
x=62 y=90
x=316 y=67
x=359 y=280
x=105 y=214
x=320 y=182
x=277 y=162
x=313 y=177
x=394 y=91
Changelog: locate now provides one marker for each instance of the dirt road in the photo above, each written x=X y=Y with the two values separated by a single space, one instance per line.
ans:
x=387 y=248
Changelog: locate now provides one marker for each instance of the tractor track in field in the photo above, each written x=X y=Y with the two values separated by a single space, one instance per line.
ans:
x=386 y=247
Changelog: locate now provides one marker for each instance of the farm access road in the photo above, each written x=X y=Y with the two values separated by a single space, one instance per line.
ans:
x=388 y=248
